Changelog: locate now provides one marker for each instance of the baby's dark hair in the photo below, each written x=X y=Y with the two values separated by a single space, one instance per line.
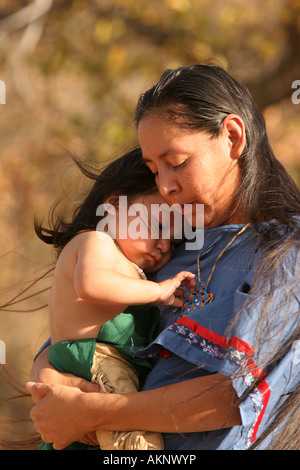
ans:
x=126 y=176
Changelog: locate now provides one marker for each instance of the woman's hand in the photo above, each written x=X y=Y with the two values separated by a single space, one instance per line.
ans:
x=60 y=413
x=170 y=291
x=44 y=373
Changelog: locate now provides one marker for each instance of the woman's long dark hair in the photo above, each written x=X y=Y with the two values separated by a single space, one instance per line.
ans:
x=125 y=176
x=198 y=98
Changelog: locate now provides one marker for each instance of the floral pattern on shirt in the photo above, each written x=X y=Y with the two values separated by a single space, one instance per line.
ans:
x=207 y=346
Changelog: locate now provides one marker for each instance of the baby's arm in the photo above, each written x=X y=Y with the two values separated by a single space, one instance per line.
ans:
x=98 y=279
x=110 y=287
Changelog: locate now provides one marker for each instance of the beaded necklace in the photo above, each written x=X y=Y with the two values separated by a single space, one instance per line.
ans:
x=200 y=296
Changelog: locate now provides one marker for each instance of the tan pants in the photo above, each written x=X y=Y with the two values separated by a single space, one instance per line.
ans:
x=115 y=375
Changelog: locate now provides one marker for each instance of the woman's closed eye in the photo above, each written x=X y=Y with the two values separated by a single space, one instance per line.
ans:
x=178 y=167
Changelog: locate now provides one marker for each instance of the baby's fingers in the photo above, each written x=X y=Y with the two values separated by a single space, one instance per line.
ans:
x=177 y=302
x=182 y=275
x=188 y=279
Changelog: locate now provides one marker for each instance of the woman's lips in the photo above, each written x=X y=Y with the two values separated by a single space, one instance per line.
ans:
x=187 y=209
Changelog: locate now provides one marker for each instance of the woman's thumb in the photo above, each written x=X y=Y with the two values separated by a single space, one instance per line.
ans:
x=37 y=390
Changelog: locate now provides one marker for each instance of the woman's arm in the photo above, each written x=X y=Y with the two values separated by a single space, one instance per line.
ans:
x=64 y=414
x=44 y=372
x=202 y=404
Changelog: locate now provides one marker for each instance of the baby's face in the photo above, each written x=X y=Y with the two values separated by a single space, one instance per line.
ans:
x=150 y=232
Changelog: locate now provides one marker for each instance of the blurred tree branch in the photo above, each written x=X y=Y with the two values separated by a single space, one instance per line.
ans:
x=276 y=85
x=269 y=86
x=25 y=16
x=156 y=35
x=32 y=17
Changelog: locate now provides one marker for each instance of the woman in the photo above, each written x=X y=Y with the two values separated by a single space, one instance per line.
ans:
x=225 y=375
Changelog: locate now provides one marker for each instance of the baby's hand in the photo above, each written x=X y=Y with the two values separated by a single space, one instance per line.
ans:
x=170 y=292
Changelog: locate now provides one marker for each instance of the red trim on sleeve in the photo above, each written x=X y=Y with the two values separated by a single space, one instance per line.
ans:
x=243 y=347
x=255 y=370
x=265 y=390
x=215 y=338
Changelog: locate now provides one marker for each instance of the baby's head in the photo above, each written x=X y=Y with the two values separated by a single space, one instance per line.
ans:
x=144 y=230
x=122 y=184
x=134 y=213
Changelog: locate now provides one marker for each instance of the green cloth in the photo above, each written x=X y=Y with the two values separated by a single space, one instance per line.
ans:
x=128 y=332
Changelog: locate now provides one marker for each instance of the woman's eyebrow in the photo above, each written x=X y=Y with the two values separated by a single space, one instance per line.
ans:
x=163 y=155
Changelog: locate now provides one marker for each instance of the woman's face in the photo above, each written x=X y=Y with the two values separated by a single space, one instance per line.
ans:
x=192 y=168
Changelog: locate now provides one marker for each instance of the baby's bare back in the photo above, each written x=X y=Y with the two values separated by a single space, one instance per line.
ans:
x=71 y=317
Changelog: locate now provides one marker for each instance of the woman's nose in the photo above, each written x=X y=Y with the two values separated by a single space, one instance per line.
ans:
x=166 y=186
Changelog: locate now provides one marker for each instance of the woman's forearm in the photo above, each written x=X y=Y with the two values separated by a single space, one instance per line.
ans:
x=65 y=414
x=43 y=372
x=202 y=404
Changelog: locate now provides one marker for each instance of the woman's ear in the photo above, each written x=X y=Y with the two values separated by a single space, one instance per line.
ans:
x=234 y=130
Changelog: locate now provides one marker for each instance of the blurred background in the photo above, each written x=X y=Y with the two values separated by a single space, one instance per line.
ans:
x=73 y=71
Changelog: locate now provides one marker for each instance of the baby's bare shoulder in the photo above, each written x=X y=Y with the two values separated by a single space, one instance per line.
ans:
x=97 y=242
x=92 y=244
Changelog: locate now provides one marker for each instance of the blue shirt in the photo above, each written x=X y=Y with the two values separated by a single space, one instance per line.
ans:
x=199 y=343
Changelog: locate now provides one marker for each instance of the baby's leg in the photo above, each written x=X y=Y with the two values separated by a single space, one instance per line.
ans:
x=115 y=375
